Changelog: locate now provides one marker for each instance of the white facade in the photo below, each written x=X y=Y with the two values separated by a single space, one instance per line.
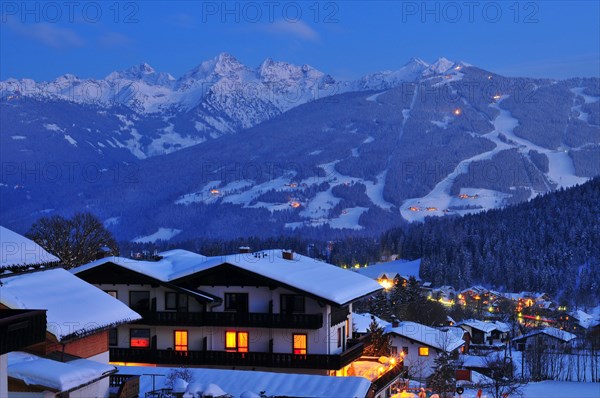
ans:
x=319 y=341
x=419 y=366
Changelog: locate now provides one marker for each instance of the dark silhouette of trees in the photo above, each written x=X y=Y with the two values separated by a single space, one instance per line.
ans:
x=75 y=241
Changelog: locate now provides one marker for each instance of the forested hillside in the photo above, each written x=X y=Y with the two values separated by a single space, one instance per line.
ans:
x=551 y=244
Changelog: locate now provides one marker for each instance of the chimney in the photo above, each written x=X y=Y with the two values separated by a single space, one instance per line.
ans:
x=244 y=249
x=395 y=321
x=288 y=254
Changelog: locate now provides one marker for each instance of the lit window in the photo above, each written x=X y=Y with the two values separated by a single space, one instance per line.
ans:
x=231 y=341
x=139 y=338
x=181 y=340
x=347 y=327
x=112 y=293
x=423 y=351
x=236 y=341
x=242 y=341
x=299 y=344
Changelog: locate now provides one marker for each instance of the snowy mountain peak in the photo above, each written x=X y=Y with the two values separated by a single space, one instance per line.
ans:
x=143 y=72
x=441 y=65
x=416 y=62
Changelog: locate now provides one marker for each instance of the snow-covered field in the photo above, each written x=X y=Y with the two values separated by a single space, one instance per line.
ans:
x=161 y=234
x=551 y=389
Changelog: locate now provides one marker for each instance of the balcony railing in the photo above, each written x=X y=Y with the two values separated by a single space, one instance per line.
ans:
x=233 y=319
x=388 y=377
x=21 y=328
x=232 y=359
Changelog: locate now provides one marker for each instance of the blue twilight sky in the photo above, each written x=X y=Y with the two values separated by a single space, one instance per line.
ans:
x=43 y=40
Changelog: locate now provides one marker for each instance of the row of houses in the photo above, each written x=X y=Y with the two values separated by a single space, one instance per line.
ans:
x=250 y=313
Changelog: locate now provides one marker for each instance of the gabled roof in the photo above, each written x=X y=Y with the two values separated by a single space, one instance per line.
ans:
x=361 y=322
x=56 y=376
x=74 y=307
x=486 y=327
x=447 y=340
x=302 y=273
x=173 y=264
x=19 y=250
x=390 y=269
x=549 y=331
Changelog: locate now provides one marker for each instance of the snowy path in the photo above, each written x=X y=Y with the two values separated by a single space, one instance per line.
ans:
x=561 y=171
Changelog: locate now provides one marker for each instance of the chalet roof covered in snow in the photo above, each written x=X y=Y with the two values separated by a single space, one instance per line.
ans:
x=302 y=273
x=19 y=250
x=549 y=331
x=435 y=338
x=74 y=307
x=172 y=263
x=486 y=327
x=53 y=375
x=362 y=322
x=404 y=268
x=244 y=383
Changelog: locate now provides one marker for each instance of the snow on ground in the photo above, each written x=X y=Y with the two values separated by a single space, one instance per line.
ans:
x=171 y=141
x=70 y=140
x=53 y=127
x=439 y=200
x=348 y=219
x=443 y=123
x=560 y=389
x=161 y=234
x=373 y=98
x=238 y=382
x=550 y=389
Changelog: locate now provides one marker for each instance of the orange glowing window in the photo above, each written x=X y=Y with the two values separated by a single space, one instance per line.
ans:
x=236 y=341
x=242 y=342
x=347 y=327
x=423 y=351
x=139 y=338
x=181 y=340
x=299 y=344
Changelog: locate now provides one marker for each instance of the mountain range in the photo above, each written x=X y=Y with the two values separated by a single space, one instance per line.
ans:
x=228 y=150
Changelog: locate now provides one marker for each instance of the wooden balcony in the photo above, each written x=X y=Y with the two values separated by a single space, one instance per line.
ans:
x=388 y=377
x=21 y=328
x=233 y=319
x=239 y=359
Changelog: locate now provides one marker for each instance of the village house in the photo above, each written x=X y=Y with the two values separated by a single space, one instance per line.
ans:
x=485 y=333
x=53 y=327
x=546 y=339
x=419 y=345
x=72 y=359
x=392 y=273
x=269 y=310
